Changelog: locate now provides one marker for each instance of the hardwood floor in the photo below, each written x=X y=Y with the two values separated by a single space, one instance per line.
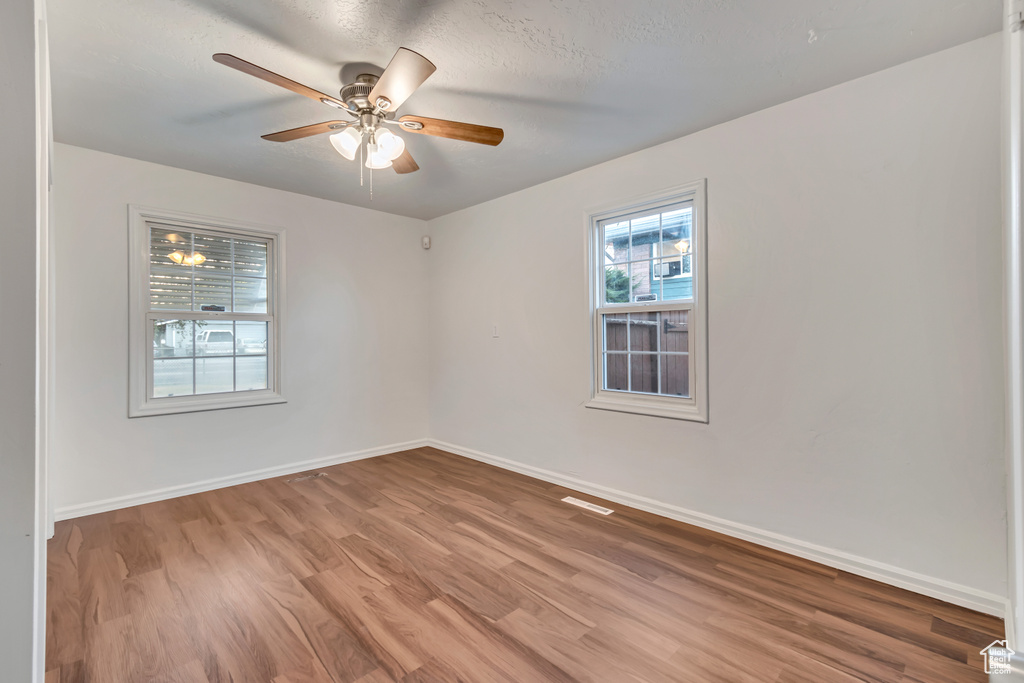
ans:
x=424 y=566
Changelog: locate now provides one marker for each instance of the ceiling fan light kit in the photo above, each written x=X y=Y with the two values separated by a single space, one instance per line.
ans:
x=372 y=101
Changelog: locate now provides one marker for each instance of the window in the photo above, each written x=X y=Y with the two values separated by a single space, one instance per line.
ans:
x=206 y=311
x=648 y=288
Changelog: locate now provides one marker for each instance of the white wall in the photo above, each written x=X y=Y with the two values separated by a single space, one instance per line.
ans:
x=856 y=396
x=354 y=340
x=20 y=541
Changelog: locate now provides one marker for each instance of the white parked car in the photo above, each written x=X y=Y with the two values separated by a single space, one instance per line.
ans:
x=215 y=343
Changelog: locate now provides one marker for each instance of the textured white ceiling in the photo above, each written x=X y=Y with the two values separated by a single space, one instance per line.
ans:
x=572 y=82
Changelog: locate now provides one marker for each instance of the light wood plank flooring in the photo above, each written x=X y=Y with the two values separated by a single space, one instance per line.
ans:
x=424 y=566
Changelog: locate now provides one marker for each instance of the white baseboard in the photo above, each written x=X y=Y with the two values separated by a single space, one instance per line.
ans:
x=954 y=593
x=109 y=504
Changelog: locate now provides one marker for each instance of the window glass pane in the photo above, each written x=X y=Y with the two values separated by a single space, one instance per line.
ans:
x=616 y=371
x=170 y=287
x=615 y=332
x=172 y=377
x=250 y=338
x=677 y=246
x=616 y=242
x=616 y=284
x=215 y=375
x=165 y=241
x=643 y=372
x=645 y=234
x=675 y=232
x=668 y=268
x=212 y=292
x=250 y=373
x=674 y=330
x=172 y=338
x=681 y=286
x=212 y=254
x=214 y=339
x=170 y=277
x=642 y=285
x=643 y=331
x=675 y=375
x=250 y=258
x=190 y=271
x=250 y=295
x=657 y=361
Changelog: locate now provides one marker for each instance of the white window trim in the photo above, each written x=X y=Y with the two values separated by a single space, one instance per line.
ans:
x=140 y=342
x=694 y=408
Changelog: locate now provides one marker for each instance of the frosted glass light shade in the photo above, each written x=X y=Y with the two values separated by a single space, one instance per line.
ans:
x=390 y=145
x=347 y=142
x=377 y=160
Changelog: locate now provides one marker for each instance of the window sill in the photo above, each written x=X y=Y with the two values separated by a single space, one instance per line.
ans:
x=172 y=406
x=648 y=405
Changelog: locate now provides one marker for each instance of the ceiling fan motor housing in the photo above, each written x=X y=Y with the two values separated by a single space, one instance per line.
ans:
x=357 y=94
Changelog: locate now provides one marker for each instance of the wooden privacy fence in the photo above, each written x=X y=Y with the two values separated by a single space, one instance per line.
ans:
x=658 y=360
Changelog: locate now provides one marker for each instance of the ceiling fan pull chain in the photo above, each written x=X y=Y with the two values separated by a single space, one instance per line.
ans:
x=360 y=165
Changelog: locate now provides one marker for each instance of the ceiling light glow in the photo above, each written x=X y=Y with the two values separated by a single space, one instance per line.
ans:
x=347 y=142
x=183 y=259
x=390 y=145
x=377 y=160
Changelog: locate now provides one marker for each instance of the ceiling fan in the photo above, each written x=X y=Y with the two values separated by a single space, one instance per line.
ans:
x=372 y=101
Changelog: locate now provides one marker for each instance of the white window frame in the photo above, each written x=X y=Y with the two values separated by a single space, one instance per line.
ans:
x=694 y=407
x=140 y=317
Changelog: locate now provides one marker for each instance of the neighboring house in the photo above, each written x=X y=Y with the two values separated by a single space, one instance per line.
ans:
x=660 y=258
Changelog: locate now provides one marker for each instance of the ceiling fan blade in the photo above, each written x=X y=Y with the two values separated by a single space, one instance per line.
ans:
x=305 y=131
x=405 y=163
x=404 y=74
x=484 y=135
x=271 y=77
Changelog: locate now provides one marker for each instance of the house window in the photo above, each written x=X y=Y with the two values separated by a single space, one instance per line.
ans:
x=206 y=311
x=649 y=318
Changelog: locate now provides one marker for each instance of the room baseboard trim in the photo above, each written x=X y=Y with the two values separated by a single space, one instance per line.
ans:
x=81 y=510
x=954 y=593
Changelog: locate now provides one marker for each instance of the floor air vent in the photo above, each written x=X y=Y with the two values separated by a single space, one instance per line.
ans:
x=587 y=506
x=307 y=477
